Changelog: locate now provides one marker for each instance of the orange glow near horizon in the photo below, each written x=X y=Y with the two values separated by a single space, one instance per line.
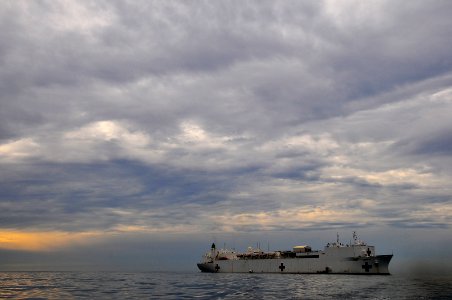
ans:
x=41 y=241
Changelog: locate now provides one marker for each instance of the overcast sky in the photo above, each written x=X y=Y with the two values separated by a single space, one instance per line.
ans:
x=140 y=126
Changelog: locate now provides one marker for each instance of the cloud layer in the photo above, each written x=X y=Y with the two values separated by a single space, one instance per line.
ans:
x=179 y=117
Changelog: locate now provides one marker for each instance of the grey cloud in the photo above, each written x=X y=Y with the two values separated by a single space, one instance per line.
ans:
x=418 y=224
x=439 y=143
x=82 y=197
x=300 y=68
x=250 y=75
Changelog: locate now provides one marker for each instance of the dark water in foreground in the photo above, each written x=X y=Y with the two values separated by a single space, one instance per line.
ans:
x=114 y=285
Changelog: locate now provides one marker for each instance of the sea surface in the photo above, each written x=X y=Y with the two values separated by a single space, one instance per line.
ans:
x=118 y=285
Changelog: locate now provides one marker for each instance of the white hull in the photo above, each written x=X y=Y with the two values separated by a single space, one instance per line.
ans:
x=336 y=258
x=364 y=265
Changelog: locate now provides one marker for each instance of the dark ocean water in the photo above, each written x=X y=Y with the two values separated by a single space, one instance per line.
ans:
x=115 y=285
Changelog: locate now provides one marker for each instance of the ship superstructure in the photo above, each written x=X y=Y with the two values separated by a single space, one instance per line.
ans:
x=336 y=258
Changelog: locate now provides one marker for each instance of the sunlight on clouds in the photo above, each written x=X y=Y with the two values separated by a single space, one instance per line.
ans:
x=94 y=141
x=390 y=177
x=83 y=144
x=108 y=131
x=156 y=229
x=194 y=135
x=399 y=176
x=151 y=222
x=359 y=213
x=442 y=96
x=19 y=149
x=287 y=218
x=79 y=16
x=42 y=241
x=47 y=241
x=355 y=12
x=109 y=139
x=130 y=228
x=138 y=145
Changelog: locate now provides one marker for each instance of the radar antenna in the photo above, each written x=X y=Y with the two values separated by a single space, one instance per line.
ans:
x=356 y=239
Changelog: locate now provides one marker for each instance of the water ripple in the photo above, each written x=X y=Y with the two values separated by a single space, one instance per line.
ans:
x=110 y=285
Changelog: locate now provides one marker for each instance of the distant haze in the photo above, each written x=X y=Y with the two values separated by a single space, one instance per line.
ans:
x=134 y=134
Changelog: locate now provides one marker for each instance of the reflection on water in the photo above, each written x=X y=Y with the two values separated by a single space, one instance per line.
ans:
x=114 y=285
